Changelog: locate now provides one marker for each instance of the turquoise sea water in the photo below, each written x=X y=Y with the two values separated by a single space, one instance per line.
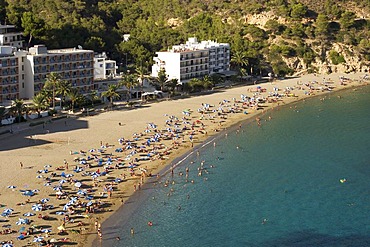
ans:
x=287 y=171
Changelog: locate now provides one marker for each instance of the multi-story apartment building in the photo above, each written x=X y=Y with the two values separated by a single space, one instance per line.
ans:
x=73 y=65
x=193 y=60
x=104 y=68
x=10 y=37
x=9 y=74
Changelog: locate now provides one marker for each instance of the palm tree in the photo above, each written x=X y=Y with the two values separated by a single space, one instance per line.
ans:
x=111 y=93
x=48 y=95
x=141 y=73
x=207 y=82
x=93 y=96
x=52 y=82
x=18 y=107
x=240 y=60
x=63 y=89
x=129 y=81
x=172 y=84
x=75 y=96
x=39 y=102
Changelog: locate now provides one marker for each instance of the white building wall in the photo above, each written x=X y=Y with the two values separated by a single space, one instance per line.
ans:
x=23 y=94
x=168 y=61
x=99 y=68
x=103 y=68
x=29 y=71
x=193 y=60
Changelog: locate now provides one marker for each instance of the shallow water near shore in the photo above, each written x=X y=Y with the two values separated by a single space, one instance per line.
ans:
x=274 y=185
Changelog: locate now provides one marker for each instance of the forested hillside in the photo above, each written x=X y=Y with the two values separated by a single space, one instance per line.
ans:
x=280 y=35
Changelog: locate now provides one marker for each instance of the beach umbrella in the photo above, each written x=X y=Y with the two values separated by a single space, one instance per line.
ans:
x=28 y=193
x=81 y=192
x=7 y=245
x=47 y=184
x=68 y=175
x=28 y=214
x=73 y=200
x=89 y=203
x=117 y=180
x=39 y=176
x=89 y=197
x=5 y=214
x=22 y=221
x=44 y=200
x=8 y=211
x=38 y=239
x=45 y=230
x=78 y=184
x=22 y=229
x=59 y=187
x=37 y=207
x=12 y=187
x=66 y=206
x=62 y=181
x=59 y=213
x=47 y=166
x=79 y=169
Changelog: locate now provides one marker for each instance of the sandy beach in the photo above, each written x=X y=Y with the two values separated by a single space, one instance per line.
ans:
x=72 y=174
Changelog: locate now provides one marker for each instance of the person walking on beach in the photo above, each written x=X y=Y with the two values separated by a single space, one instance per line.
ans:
x=132 y=231
x=21 y=164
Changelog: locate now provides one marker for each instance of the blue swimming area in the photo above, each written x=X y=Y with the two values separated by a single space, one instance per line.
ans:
x=287 y=171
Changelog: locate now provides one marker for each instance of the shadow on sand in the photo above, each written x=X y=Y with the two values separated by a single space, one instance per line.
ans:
x=25 y=136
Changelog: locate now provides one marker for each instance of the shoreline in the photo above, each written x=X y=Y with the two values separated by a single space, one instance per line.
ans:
x=110 y=221
x=83 y=136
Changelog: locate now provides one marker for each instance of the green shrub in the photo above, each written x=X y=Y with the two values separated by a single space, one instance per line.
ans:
x=336 y=58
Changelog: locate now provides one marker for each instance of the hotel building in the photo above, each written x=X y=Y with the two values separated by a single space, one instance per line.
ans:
x=193 y=60
x=73 y=65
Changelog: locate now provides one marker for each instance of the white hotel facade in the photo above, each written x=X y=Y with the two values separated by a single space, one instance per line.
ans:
x=193 y=60
x=73 y=65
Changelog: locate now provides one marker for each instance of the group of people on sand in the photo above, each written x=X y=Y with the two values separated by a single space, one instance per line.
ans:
x=90 y=178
